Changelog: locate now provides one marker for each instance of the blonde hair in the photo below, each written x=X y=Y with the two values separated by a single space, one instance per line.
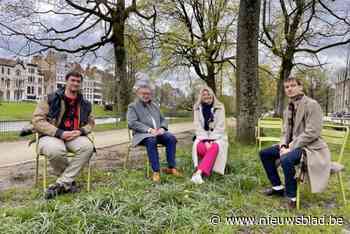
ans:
x=216 y=101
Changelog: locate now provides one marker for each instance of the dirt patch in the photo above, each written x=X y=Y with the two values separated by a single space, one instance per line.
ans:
x=107 y=158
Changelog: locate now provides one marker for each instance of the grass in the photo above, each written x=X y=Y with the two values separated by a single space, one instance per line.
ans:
x=123 y=201
x=24 y=111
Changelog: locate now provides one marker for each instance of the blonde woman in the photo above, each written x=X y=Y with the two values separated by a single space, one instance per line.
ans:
x=209 y=151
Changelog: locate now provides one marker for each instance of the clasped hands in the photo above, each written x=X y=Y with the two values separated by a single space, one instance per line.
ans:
x=70 y=135
x=284 y=150
x=156 y=131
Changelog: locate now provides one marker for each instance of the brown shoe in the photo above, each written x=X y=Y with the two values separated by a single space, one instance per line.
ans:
x=156 y=177
x=171 y=171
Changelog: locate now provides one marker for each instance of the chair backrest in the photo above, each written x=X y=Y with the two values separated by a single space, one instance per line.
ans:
x=37 y=143
x=336 y=135
x=269 y=123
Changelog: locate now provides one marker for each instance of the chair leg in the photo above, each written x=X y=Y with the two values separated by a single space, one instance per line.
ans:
x=127 y=157
x=45 y=174
x=298 y=195
x=37 y=170
x=89 y=177
x=259 y=145
x=341 y=186
x=147 y=169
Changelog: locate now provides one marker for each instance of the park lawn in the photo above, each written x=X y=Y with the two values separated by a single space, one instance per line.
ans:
x=24 y=111
x=123 y=201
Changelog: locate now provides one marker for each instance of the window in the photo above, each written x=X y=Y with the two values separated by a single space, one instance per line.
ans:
x=2 y=70
x=8 y=83
x=28 y=90
x=31 y=70
x=8 y=71
x=30 y=79
x=18 y=72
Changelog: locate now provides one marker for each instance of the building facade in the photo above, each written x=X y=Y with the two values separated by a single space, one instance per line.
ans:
x=20 y=81
x=342 y=96
x=45 y=74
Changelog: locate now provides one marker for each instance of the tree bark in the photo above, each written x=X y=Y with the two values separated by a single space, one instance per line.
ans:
x=286 y=69
x=211 y=76
x=247 y=70
x=123 y=96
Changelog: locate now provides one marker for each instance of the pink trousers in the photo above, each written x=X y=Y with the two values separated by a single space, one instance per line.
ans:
x=207 y=156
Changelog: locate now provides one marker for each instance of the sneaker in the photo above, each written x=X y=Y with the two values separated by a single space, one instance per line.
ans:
x=197 y=179
x=73 y=188
x=54 y=190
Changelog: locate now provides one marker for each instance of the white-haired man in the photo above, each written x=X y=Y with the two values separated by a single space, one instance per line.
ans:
x=150 y=128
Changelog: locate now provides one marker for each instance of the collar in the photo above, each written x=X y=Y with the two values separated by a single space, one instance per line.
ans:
x=296 y=99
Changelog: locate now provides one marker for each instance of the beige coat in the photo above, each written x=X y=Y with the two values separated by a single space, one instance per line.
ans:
x=218 y=134
x=307 y=135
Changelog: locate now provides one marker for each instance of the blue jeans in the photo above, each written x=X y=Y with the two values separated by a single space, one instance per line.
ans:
x=169 y=141
x=288 y=161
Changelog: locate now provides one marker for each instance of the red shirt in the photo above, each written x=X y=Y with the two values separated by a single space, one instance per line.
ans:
x=71 y=116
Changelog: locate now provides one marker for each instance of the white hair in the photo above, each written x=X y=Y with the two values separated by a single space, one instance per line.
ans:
x=143 y=83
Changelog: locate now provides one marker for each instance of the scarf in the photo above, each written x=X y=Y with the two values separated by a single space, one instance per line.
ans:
x=291 y=115
x=208 y=115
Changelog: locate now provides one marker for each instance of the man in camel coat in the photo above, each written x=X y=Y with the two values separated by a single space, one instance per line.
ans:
x=301 y=134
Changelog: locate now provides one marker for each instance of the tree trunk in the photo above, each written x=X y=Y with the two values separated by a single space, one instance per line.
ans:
x=123 y=96
x=286 y=69
x=327 y=100
x=210 y=80
x=247 y=70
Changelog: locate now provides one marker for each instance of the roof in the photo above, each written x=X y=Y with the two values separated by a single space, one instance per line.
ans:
x=8 y=62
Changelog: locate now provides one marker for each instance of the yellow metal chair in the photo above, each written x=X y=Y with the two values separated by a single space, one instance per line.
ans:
x=45 y=172
x=130 y=146
x=267 y=123
x=337 y=136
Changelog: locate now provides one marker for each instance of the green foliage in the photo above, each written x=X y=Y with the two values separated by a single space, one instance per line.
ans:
x=268 y=88
x=317 y=85
x=229 y=104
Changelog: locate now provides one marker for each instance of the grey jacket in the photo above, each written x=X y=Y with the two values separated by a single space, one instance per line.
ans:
x=140 y=116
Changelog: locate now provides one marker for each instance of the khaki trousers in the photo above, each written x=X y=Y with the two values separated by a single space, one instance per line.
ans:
x=56 y=151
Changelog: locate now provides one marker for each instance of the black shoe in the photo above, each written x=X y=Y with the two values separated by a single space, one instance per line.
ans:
x=273 y=192
x=73 y=188
x=54 y=190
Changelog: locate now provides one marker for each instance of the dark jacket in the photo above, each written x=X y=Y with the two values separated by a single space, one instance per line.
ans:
x=49 y=112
